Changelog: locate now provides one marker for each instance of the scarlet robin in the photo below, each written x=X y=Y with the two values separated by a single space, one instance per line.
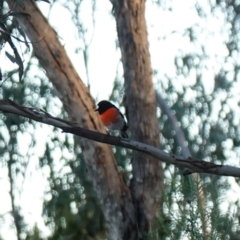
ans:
x=112 y=118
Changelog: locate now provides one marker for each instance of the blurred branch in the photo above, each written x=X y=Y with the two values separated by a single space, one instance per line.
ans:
x=193 y=164
x=181 y=141
x=82 y=32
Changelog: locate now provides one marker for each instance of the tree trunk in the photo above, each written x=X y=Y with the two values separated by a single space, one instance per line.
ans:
x=114 y=195
x=140 y=102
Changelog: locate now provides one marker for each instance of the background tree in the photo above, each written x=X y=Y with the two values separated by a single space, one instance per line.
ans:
x=114 y=196
x=207 y=114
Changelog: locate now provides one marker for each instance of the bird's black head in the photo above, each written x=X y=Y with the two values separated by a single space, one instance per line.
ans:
x=103 y=106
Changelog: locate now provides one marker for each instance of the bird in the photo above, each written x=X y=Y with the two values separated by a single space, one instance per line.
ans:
x=112 y=118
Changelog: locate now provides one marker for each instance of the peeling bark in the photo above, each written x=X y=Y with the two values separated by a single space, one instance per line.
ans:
x=140 y=100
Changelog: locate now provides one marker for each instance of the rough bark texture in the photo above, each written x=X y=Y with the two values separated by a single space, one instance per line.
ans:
x=113 y=194
x=147 y=182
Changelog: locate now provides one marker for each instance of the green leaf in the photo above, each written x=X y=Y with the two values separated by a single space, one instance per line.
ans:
x=22 y=33
x=16 y=59
x=3 y=28
x=1 y=5
x=19 y=14
x=43 y=1
x=20 y=1
x=10 y=57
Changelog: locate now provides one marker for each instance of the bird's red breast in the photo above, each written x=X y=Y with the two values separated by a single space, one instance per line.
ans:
x=110 y=116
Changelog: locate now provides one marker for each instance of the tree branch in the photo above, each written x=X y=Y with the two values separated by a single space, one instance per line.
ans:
x=193 y=164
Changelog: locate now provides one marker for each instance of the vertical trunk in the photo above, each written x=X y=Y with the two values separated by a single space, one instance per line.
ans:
x=147 y=182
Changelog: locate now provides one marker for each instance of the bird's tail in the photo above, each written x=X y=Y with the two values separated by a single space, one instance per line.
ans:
x=123 y=132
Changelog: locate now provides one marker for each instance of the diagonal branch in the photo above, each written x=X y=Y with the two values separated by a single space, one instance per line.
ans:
x=181 y=140
x=193 y=164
